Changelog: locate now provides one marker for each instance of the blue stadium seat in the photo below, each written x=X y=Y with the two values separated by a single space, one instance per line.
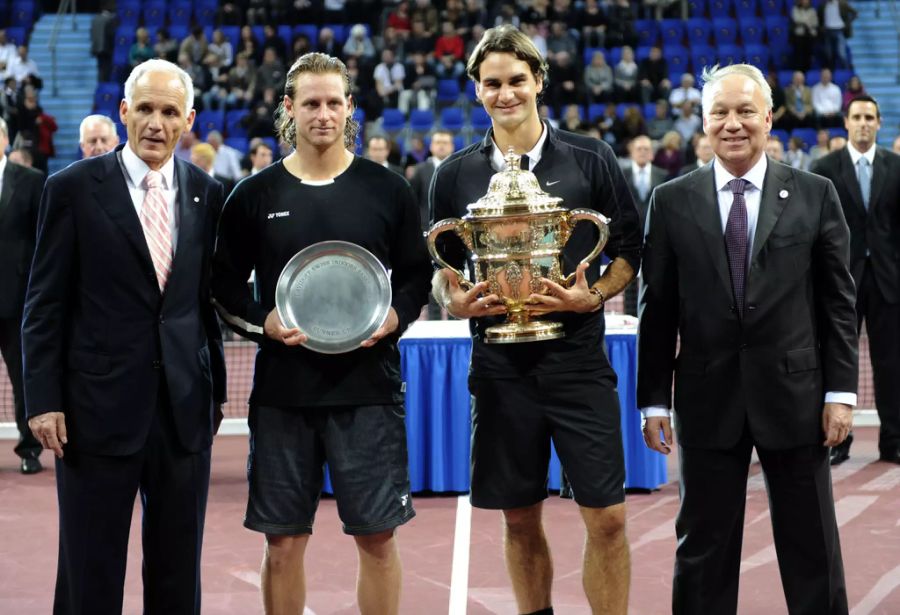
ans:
x=622 y=107
x=259 y=33
x=447 y=91
x=360 y=116
x=807 y=135
x=595 y=110
x=421 y=120
x=233 y=34
x=234 y=124
x=207 y=121
x=108 y=95
x=22 y=13
x=480 y=119
x=720 y=8
x=698 y=29
x=725 y=31
x=730 y=54
x=745 y=8
x=812 y=76
x=310 y=30
x=238 y=143
x=702 y=56
x=471 y=96
x=781 y=57
x=589 y=54
x=841 y=76
x=672 y=31
x=837 y=132
x=613 y=56
x=697 y=8
x=128 y=12
x=154 y=12
x=392 y=120
x=340 y=32
x=783 y=135
x=641 y=54
x=180 y=14
x=287 y=35
x=758 y=56
x=785 y=77
x=122 y=42
x=459 y=142
x=649 y=110
x=179 y=32
x=752 y=30
x=17 y=35
x=205 y=12
x=272 y=142
x=452 y=118
x=778 y=31
x=677 y=58
x=772 y=7
x=647 y=31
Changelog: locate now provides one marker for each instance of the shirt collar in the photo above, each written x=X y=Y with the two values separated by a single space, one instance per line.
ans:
x=755 y=175
x=3 y=160
x=855 y=154
x=636 y=170
x=137 y=169
x=534 y=155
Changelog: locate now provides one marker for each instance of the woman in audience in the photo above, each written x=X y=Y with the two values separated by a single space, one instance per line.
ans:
x=141 y=51
x=854 y=88
x=669 y=156
x=626 y=77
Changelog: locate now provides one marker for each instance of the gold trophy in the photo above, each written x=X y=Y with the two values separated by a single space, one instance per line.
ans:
x=515 y=234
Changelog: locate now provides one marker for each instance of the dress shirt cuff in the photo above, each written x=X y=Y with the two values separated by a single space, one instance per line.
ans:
x=655 y=411
x=838 y=397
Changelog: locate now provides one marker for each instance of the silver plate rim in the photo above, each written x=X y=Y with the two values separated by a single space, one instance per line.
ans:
x=310 y=254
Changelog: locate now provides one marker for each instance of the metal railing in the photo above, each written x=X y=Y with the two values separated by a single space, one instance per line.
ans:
x=65 y=6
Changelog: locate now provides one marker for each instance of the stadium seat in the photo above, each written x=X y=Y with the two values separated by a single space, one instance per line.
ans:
x=698 y=29
x=744 y=9
x=107 y=96
x=128 y=12
x=613 y=56
x=452 y=118
x=234 y=123
x=359 y=116
x=392 y=120
x=179 y=32
x=730 y=54
x=672 y=31
x=310 y=30
x=752 y=30
x=17 y=35
x=471 y=96
x=649 y=110
x=758 y=56
x=677 y=58
x=207 y=121
x=724 y=31
x=233 y=34
x=837 y=132
x=122 y=42
x=205 y=12
x=595 y=110
x=720 y=8
x=841 y=76
x=447 y=92
x=154 y=12
x=812 y=76
x=807 y=135
x=702 y=56
x=22 y=13
x=238 y=143
x=783 y=135
x=287 y=35
x=641 y=54
x=421 y=120
x=647 y=31
x=340 y=32
x=180 y=14
x=778 y=31
x=773 y=7
x=622 y=107
x=459 y=142
x=697 y=8
x=480 y=119
x=785 y=77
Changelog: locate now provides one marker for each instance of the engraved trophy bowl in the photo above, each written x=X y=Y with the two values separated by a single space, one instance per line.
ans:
x=515 y=235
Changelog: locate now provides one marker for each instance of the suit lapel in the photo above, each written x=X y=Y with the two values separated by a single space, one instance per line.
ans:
x=776 y=192
x=851 y=182
x=879 y=170
x=705 y=209
x=187 y=206
x=9 y=186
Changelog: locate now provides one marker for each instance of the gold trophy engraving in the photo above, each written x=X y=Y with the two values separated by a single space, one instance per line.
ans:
x=515 y=234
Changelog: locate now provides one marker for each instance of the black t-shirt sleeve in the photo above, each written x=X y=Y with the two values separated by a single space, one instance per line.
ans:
x=411 y=268
x=625 y=229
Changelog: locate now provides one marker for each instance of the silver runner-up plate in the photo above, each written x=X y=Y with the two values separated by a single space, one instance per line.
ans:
x=335 y=292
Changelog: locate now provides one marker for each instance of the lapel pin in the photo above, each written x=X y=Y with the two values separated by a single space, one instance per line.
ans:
x=196 y=199
x=783 y=194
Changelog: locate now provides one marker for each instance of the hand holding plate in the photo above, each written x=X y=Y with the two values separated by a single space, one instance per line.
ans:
x=275 y=330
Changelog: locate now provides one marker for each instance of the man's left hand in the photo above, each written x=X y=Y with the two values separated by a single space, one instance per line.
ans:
x=837 y=419
x=218 y=415
x=575 y=299
x=390 y=325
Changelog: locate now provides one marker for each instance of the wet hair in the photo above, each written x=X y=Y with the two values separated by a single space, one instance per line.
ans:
x=317 y=64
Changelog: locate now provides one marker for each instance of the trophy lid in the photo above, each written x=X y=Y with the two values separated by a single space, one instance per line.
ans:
x=513 y=192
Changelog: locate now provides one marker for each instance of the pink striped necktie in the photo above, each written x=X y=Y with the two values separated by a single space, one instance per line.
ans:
x=155 y=220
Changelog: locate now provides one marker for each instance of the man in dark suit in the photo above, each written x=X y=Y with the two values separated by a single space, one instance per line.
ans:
x=867 y=178
x=703 y=153
x=378 y=149
x=20 y=195
x=746 y=260
x=642 y=177
x=123 y=361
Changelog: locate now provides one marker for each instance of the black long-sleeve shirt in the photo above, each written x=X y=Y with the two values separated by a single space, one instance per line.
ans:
x=271 y=216
x=585 y=173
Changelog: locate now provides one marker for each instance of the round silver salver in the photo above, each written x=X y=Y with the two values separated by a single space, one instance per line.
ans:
x=335 y=292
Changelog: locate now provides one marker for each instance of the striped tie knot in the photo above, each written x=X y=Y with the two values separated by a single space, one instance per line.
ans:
x=737 y=186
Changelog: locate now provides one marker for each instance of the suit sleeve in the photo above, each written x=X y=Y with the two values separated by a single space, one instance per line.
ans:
x=211 y=323
x=233 y=261
x=410 y=266
x=657 y=310
x=835 y=297
x=47 y=302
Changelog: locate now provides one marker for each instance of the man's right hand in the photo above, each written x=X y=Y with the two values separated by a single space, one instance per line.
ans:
x=652 y=426
x=50 y=430
x=275 y=330
x=467 y=303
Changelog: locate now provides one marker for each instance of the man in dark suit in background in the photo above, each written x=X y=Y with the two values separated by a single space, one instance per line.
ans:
x=378 y=149
x=123 y=361
x=867 y=178
x=20 y=196
x=703 y=152
x=746 y=260
x=642 y=177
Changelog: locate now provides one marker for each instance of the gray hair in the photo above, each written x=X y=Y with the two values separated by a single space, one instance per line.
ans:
x=162 y=66
x=713 y=75
x=95 y=119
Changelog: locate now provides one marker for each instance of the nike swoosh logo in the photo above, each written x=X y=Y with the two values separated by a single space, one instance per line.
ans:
x=553 y=183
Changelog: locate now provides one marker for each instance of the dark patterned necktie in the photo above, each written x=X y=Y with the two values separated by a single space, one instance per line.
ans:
x=524 y=162
x=736 y=241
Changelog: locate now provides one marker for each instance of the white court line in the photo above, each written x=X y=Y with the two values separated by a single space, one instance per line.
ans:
x=846 y=509
x=883 y=482
x=252 y=577
x=459 y=576
x=885 y=585
x=663 y=501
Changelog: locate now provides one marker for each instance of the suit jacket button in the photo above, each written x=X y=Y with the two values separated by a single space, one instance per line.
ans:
x=162 y=320
x=157 y=364
x=743 y=347
x=733 y=309
x=751 y=307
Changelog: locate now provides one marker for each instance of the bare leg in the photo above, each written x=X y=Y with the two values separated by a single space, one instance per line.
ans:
x=606 y=575
x=380 y=573
x=283 y=582
x=528 y=558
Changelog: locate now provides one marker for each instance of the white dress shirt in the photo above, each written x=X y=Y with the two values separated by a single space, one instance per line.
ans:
x=855 y=155
x=3 y=160
x=752 y=197
x=135 y=170
x=498 y=158
x=826 y=98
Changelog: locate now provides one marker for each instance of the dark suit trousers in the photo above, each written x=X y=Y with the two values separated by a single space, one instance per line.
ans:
x=96 y=500
x=11 y=348
x=883 y=325
x=710 y=527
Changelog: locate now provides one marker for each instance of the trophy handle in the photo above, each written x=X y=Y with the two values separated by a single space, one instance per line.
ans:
x=458 y=226
x=602 y=224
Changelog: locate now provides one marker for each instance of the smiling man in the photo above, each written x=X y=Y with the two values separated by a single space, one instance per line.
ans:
x=308 y=408
x=746 y=260
x=123 y=362
x=563 y=390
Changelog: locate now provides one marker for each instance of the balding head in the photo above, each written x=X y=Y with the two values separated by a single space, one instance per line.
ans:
x=97 y=135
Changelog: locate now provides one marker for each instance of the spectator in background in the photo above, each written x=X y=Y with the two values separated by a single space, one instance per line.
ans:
x=669 y=156
x=653 y=75
x=854 y=88
x=775 y=148
x=166 y=47
x=194 y=46
x=598 y=79
x=837 y=142
x=227 y=159
x=399 y=19
x=140 y=51
x=475 y=15
x=326 y=43
x=270 y=74
x=572 y=120
x=449 y=42
x=797 y=103
x=22 y=157
x=804 y=33
x=685 y=91
x=259 y=121
x=688 y=123
x=378 y=148
x=592 y=20
x=230 y=14
x=248 y=45
x=415 y=154
x=241 y=83
x=185 y=143
x=359 y=45
x=835 y=20
x=301 y=46
x=260 y=156
x=778 y=105
x=420 y=41
x=610 y=127
x=426 y=13
x=21 y=67
x=821 y=147
x=536 y=33
x=662 y=121
x=632 y=125
x=97 y=135
x=272 y=40
x=703 y=153
x=389 y=76
x=418 y=84
x=103 y=36
x=827 y=101
x=795 y=156
x=620 y=28
x=477 y=34
x=560 y=41
x=626 y=77
x=895 y=147
x=390 y=39
x=219 y=49
x=565 y=87
x=199 y=75
x=440 y=147
x=204 y=156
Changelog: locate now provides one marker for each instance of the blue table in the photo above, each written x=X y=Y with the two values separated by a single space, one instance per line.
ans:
x=435 y=369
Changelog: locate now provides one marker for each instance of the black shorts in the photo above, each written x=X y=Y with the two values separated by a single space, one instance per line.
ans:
x=513 y=422
x=365 y=448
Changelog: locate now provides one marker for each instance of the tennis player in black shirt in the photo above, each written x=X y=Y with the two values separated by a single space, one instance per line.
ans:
x=563 y=390
x=308 y=408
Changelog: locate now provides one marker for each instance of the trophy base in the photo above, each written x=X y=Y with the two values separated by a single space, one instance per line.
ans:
x=532 y=331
